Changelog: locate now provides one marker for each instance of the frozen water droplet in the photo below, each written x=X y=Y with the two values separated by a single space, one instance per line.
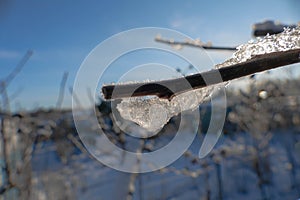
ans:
x=263 y=94
x=177 y=47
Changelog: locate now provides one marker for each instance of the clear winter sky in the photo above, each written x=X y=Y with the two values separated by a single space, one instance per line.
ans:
x=62 y=33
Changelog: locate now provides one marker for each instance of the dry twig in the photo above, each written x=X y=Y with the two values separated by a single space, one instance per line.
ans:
x=62 y=90
x=7 y=80
x=193 y=44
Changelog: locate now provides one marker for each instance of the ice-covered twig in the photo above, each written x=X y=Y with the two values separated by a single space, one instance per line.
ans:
x=193 y=43
x=169 y=88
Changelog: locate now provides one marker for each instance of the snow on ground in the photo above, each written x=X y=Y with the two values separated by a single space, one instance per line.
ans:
x=237 y=168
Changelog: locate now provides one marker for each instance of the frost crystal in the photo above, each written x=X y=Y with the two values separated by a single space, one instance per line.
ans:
x=287 y=40
x=153 y=113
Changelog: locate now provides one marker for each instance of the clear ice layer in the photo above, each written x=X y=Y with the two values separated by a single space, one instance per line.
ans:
x=153 y=113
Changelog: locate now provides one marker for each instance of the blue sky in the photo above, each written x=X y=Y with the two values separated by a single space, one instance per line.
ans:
x=62 y=33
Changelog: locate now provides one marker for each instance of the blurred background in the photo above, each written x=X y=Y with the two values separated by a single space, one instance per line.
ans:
x=42 y=46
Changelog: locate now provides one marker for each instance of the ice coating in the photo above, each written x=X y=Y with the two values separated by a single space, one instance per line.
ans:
x=153 y=113
x=289 y=39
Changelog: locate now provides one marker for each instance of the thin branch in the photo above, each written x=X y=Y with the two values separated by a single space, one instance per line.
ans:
x=62 y=90
x=6 y=81
x=75 y=97
x=196 y=44
x=75 y=141
x=5 y=98
x=169 y=88
x=16 y=93
x=90 y=95
x=18 y=68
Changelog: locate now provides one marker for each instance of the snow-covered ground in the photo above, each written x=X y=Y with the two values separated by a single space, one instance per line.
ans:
x=239 y=167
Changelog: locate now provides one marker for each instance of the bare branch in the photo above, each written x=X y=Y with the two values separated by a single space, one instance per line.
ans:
x=5 y=98
x=15 y=94
x=18 y=68
x=75 y=97
x=90 y=95
x=169 y=88
x=193 y=43
x=6 y=81
x=62 y=90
